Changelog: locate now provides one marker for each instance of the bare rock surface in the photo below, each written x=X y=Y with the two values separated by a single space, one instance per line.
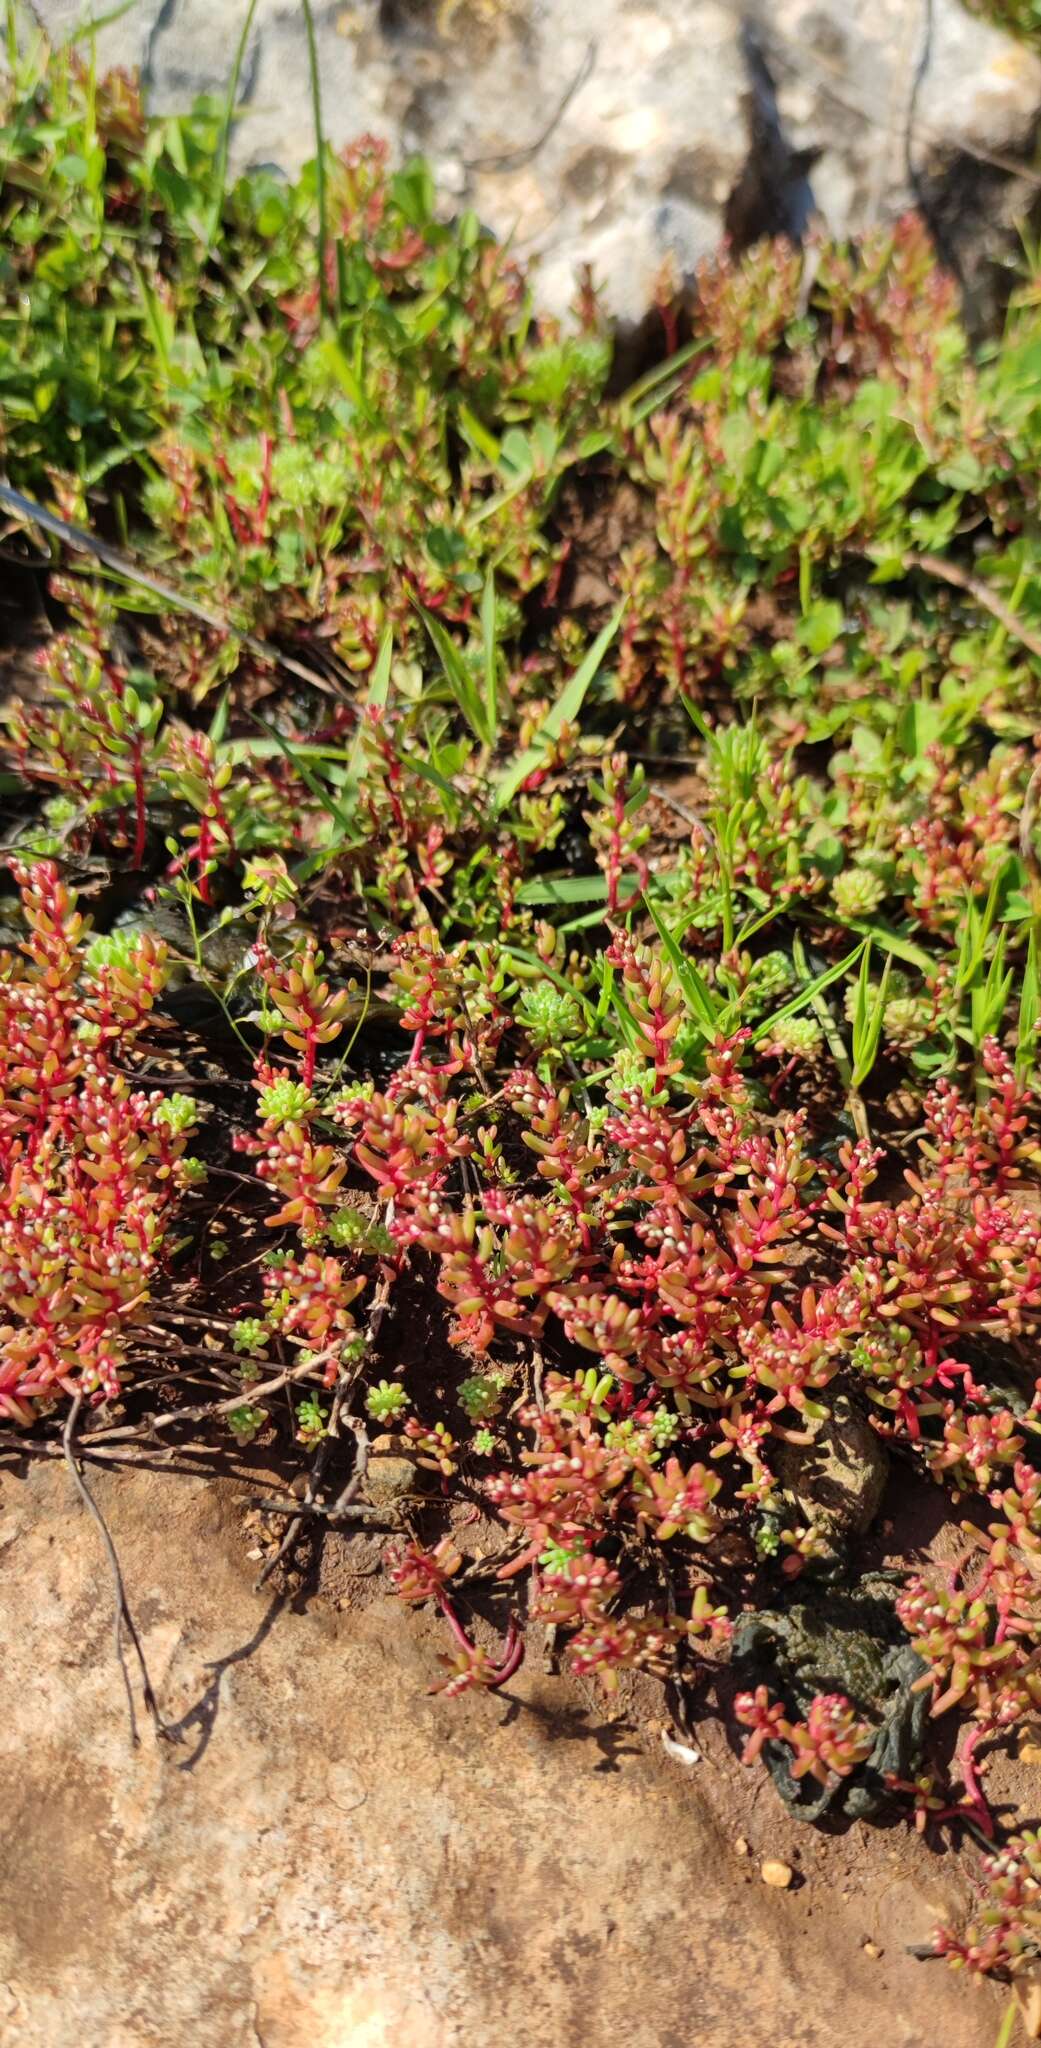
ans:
x=600 y=131
x=330 y=1858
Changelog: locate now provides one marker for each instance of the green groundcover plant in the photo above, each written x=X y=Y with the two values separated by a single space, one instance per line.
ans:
x=1019 y=17
x=594 y=836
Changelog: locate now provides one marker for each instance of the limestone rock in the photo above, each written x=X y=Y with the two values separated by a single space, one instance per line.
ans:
x=604 y=131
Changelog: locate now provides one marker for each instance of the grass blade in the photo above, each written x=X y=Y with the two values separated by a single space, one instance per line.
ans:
x=657 y=386
x=92 y=23
x=221 y=167
x=892 y=942
x=84 y=543
x=566 y=708
x=459 y=677
x=319 y=159
x=1029 y=1011
x=868 y=1018
x=564 y=889
x=489 y=622
x=807 y=994
x=697 y=994
x=1008 y=2024
x=296 y=756
x=376 y=695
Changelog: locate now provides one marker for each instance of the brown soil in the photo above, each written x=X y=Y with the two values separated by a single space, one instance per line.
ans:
x=330 y=1858
x=598 y=518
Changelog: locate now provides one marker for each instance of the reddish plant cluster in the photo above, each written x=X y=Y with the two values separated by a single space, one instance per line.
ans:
x=666 y=1234
x=830 y=1743
x=659 y=1236
x=308 y=1301
x=306 y=1175
x=1004 y=1933
x=89 y=1164
x=92 y=735
x=418 y=1575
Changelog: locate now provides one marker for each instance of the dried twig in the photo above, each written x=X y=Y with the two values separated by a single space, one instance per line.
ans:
x=538 y=1366
x=140 y=1432
x=143 y=1457
x=974 y=586
x=84 y=543
x=488 y=1567
x=314 y=1486
x=341 y=1506
x=175 y=1316
x=323 y=1511
x=123 y=1618
x=359 y=1468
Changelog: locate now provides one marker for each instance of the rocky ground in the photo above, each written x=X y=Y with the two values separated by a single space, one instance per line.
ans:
x=329 y=1858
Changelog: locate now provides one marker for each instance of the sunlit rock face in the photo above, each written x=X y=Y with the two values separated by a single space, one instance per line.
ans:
x=607 y=132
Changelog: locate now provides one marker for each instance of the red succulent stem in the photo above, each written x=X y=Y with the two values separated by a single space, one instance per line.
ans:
x=454 y=1622
x=553 y=586
x=512 y=1655
x=240 y=526
x=205 y=849
x=982 y=1812
x=267 y=454
x=310 y=1056
x=512 y=1651
x=669 y=322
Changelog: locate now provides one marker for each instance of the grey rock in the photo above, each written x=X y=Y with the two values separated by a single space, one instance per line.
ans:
x=608 y=132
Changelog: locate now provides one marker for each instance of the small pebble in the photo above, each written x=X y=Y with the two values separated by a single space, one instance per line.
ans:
x=871 y=1948
x=740 y=1846
x=777 y=1874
